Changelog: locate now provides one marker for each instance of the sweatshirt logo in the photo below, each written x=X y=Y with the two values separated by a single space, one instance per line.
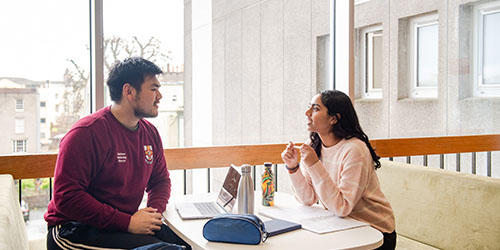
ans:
x=148 y=152
x=121 y=157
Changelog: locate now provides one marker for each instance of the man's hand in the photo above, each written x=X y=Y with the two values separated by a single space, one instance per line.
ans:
x=145 y=221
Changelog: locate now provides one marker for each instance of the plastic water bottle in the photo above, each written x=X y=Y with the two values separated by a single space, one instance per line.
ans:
x=267 y=185
x=245 y=191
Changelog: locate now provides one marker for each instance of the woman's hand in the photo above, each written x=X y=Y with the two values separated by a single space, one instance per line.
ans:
x=290 y=155
x=308 y=155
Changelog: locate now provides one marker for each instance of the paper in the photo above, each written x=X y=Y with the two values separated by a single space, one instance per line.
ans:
x=312 y=218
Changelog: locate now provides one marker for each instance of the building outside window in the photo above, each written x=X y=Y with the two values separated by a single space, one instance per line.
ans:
x=19 y=105
x=42 y=120
x=19 y=126
x=18 y=146
x=486 y=73
x=372 y=64
x=423 y=56
x=42 y=104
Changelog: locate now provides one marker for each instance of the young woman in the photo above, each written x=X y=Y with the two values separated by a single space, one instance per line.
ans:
x=337 y=166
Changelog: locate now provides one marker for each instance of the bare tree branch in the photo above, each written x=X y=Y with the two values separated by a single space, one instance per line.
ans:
x=76 y=77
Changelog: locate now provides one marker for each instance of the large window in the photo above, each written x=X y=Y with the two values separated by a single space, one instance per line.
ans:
x=156 y=33
x=423 y=56
x=486 y=76
x=372 y=63
x=45 y=57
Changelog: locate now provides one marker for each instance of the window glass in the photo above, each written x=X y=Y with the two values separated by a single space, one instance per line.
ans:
x=19 y=128
x=19 y=105
x=156 y=32
x=371 y=64
x=491 y=50
x=377 y=60
x=427 y=55
x=44 y=64
x=19 y=146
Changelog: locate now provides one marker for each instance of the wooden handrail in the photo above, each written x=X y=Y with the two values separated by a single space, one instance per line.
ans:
x=436 y=145
x=42 y=165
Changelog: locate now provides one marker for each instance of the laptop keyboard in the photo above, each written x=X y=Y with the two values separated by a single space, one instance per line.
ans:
x=207 y=208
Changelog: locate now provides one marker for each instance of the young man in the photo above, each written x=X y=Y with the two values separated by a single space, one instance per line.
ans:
x=105 y=163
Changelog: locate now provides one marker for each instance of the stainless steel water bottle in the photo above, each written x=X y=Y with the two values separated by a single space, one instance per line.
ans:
x=245 y=191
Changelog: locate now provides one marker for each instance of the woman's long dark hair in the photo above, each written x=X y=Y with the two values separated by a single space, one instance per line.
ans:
x=347 y=126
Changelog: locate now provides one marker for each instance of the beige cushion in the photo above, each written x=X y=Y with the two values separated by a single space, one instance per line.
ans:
x=442 y=208
x=403 y=243
x=12 y=229
x=38 y=244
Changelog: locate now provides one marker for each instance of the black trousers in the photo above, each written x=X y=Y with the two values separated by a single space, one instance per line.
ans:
x=389 y=241
x=75 y=235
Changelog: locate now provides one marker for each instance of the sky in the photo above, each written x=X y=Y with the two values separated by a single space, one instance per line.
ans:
x=38 y=37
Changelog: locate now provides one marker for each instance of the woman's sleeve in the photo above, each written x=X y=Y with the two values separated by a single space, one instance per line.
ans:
x=303 y=187
x=354 y=179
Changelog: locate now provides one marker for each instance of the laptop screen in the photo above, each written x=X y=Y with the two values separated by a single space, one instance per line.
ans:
x=229 y=190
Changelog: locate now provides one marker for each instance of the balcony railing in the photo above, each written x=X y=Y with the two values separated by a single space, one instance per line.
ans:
x=42 y=165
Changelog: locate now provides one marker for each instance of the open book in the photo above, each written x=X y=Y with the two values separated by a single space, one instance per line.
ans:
x=312 y=218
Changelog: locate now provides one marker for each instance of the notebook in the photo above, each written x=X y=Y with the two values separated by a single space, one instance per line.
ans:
x=224 y=203
x=277 y=226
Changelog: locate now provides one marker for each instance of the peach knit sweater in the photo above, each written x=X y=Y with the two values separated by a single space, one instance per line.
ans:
x=345 y=182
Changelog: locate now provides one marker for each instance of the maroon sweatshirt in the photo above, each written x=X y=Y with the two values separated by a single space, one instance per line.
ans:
x=102 y=170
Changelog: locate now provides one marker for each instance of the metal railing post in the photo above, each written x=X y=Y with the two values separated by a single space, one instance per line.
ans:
x=473 y=163
x=488 y=163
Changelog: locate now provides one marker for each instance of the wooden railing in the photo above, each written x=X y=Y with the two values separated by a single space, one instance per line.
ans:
x=42 y=165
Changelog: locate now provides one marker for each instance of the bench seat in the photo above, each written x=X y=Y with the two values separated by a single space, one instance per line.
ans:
x=441 y=208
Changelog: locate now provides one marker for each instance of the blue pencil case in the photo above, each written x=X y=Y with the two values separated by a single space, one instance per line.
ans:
x=235 y=228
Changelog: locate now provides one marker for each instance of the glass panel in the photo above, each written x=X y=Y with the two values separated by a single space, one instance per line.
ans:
x=156 y=32
x=19 y=126
x=44 y=63
x=19 y=105
x=427 y=56
x=34 y=204
x=19 y=146
x=491 y=50
x=377 y=61
x=322 y=62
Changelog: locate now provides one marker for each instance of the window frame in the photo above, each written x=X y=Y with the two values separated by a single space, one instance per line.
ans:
x=15 y=146
x=414 y=24
x=19 y=105
x=367 y=34
x=478 y=88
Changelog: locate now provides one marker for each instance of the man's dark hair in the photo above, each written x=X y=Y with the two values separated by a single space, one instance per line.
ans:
x=132 y=70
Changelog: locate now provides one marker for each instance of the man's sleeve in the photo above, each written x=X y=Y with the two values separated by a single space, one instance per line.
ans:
x=76 y=163
x=159 y=184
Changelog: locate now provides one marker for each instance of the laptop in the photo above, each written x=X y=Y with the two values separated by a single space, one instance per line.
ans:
x=224 y=203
